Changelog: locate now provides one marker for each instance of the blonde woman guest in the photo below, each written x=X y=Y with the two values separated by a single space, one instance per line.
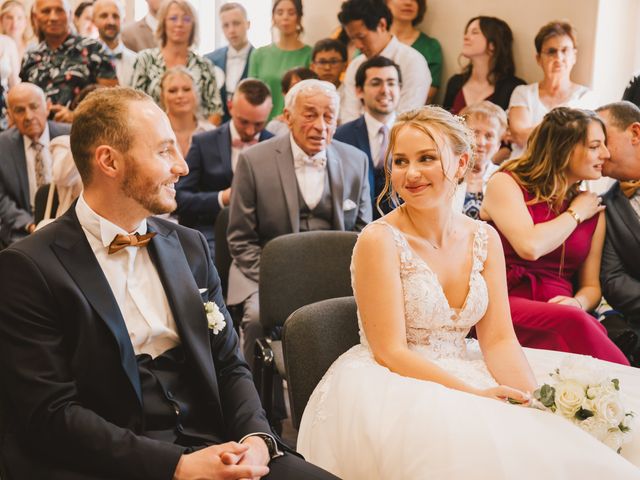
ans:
x=180 y=100
x=556 y=53
x=177 y=33
x=270 y=63
x=13 y=23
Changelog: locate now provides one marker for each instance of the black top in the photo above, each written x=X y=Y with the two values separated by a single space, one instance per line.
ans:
x=501 y=95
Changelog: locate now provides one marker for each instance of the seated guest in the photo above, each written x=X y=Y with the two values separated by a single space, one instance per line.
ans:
x=66 y=52
x=553 y=234
x=556 y=48
x=278 y=125
x=107 y=15
x=378 y=83
x=83 y=20
x=407 y=15
x=233 y=59
x=177 y=32
x=367 y=22
x=13 y=23
x=141 y=35
x=9 y=70
x=329 y=60
x=179 y=99
x=171 y=396
x=26 y=160
x=488 y=122
x=490 y=73
x=620 y=270
x=292 y=183
x=213 y=157
x=269 y=63
x=632 y=92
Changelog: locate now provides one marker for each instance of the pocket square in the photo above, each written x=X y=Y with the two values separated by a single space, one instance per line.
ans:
x=348 y=205
x=203 y=291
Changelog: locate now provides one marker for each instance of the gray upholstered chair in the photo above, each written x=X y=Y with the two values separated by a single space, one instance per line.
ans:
x=296 y=270
x=314 y=336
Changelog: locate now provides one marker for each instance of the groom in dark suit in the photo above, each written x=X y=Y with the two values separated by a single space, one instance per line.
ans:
x=620 y=270
x=213 y=156
x=25 y=162
x=112 y=365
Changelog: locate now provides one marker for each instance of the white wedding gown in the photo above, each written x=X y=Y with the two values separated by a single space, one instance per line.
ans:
x=364 y=422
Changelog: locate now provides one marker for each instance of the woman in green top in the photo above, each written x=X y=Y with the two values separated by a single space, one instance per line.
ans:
x=406 y=15
x=270 y=63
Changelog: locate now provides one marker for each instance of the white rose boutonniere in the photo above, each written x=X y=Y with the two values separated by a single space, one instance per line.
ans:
x=215 y=318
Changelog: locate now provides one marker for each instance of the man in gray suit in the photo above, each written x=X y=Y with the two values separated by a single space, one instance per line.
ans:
x=25 y=160
x=620 y=270
x=292 y=183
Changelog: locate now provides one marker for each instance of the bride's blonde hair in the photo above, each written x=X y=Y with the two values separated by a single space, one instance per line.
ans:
x=429 y=119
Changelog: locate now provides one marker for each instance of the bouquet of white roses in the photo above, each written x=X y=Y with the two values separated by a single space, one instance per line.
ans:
x=585 y=395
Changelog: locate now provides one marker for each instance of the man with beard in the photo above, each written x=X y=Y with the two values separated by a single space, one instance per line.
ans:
x=107 y=15
x=378 y=83
x=119 y=359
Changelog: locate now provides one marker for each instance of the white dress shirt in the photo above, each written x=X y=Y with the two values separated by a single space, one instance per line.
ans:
x=124 y=65
x=416 y=80
x=134 y=282
x=152 y=22
x=236 y=61
x=235 y=153
x=30 y=156
x=635 y=202
x=310 y=178
x=375 y=135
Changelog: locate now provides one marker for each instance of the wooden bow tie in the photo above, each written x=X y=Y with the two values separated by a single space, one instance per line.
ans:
x=629 y=187
x=135 y=240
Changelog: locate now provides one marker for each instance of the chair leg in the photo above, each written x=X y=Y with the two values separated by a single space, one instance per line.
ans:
x=264 y=369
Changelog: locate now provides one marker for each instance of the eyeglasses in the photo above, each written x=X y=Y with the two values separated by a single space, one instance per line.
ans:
x=328 y=63
x=187 y=19
x=554 y=52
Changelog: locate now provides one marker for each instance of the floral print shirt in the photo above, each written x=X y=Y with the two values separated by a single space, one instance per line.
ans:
x=63 y=72
x=150 y=66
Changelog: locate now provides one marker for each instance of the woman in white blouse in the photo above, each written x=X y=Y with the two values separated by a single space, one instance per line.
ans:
x=556 y=49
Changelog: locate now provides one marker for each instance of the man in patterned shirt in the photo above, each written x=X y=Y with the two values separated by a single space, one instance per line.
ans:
x=64 y=63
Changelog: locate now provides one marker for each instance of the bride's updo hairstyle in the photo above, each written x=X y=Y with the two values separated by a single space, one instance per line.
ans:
x=542 y=168
x=429 y=120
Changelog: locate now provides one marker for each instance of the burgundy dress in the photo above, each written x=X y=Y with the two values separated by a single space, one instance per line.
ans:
x=550 y=326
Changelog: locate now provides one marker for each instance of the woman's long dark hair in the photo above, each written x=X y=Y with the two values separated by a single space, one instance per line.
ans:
x=500 y=37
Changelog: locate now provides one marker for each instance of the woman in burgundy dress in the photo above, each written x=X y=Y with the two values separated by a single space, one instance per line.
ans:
x=553 y=235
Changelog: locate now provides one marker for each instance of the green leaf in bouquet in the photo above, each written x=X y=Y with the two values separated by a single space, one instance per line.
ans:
x=583 y=414
x=546 y=394
x=616 y=383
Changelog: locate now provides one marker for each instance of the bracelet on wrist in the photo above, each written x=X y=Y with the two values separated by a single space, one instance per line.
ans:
x=575 y=215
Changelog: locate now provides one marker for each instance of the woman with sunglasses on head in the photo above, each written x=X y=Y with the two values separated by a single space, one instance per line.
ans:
x=556 y=53
x=177 y=33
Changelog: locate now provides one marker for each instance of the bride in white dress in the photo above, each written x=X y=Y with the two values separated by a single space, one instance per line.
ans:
x=415 y=399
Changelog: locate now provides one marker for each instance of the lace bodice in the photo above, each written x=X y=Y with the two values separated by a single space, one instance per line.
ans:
x=432 y=326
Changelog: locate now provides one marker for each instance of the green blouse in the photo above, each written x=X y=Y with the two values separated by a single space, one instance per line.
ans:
x=270 y=63
x=430 y=49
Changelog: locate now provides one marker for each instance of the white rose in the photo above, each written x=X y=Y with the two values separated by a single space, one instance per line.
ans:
x=215 y=318
x=595 y=391
x=610 y=409
x=595 y=426
x=627 y=421
x=614 y=439
x=569 y=397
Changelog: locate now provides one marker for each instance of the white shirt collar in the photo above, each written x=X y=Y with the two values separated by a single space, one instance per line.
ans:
x=152 y=22
x=390 y=50
x=235 y=135
x=119 y=48
x=43 y=140
x=298 y=152
x=242 y=52
x=373 y=124
x=101 y=228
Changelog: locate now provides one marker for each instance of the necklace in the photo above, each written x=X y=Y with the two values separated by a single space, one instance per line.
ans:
x=433 y=245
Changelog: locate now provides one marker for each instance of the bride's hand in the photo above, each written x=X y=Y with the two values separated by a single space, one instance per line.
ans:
x=506 y=394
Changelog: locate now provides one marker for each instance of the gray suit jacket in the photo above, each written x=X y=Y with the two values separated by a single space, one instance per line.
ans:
x=620 y=270
x=138 y=36
x=15 y=205
x=264 y=203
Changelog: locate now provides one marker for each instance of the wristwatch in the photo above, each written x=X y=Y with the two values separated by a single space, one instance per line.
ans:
x=272 y=445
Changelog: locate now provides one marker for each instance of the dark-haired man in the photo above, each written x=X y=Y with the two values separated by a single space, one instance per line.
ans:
x=119 y=360
x=378 y=83
x=213 y=156
x=367 y=23
x=328 y=60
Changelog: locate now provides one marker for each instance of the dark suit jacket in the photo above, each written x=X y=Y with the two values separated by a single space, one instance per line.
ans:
x=70 y=376
x=219 y=59
x=15 y=207
x=620 y=269
x=209 y=160
x=138 y=36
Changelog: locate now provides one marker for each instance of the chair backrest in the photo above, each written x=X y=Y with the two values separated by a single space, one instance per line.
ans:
x=40 y=203
x=302 y=268
x=222 y=257
x=313 y=337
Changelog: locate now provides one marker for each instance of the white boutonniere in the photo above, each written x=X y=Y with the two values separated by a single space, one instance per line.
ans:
x=215 y=318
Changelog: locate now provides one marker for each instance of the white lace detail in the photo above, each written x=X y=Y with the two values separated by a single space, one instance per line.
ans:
x=433 y=327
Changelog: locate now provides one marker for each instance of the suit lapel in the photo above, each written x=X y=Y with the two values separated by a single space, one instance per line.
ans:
x=184 y=299
x=20 y=168
x=74 y=252
x=362 y=136
x=336 y=184
x=245 y=72
x=224 y=149
x=284 y=162
x=627 y=213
